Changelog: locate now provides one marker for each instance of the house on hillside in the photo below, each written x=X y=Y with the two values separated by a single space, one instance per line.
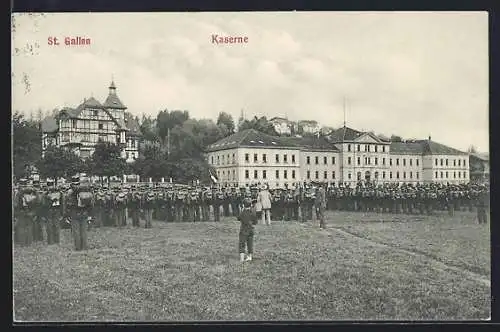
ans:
x=80 y=128
x=308 y=127
x=282 y=125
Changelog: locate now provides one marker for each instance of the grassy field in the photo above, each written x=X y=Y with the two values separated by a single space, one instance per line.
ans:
x=364 y=266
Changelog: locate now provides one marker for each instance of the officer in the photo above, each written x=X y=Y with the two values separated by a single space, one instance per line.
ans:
x=80 y=202
x=206 y=202
x=53 y=203
x=25 y=212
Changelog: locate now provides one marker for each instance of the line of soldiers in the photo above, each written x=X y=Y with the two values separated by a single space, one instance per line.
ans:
x=53 y=207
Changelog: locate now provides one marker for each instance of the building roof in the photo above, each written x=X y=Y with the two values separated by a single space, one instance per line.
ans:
x=423 y=147
x=312 y=143
x=249 y=138
x=114 y=102
x=49 y=124
x=407 y=148
x=344 y=134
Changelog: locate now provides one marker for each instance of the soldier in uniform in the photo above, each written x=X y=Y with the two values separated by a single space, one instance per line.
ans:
x=120 y=207
x=226 y=202
x=194 y=206
x=38 y=220
x=217 y=198
x=53 y=203
x=135 y=205
x=482 y=204
x=206 y=201
x=25 y=212
x=100 y=208
x=320 y=205
x=80 y=203
x=149 y=205
x=236 y=202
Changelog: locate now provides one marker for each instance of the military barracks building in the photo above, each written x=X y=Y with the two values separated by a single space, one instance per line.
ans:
x=82 y=127
x=344 y=156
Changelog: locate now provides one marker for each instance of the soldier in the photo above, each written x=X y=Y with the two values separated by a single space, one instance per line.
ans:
x=226 y=202
x=320 y=204
x=80 y=202
x=100 y=208
x=194 y=205
x=248 y=221
x=218 y=201
x=135 y=206
x=289 y=205
x=206 y=201
x=235 y=202
x=482 y=205
x=53 y=203
x=38 y=220
x=120 y=207
x=26 y=209
x=149 y=205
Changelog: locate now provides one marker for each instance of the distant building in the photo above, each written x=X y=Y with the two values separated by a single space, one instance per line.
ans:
x=479 y=167
x=80 y=128
x=345 y=156
x=282 y=125
x=308 y=127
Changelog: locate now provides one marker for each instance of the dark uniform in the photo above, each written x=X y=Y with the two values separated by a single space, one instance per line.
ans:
x=218 y=201
x=248 y=219
x=120 y=207
x=482 y=205
x=25 y=210
x=79 y=209
x=135 y=205
x=206 y=202
x=149 y=205
x=53 y=206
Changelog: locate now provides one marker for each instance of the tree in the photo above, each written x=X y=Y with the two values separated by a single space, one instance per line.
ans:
x=260 y=124
x=472 y=149
x=27 y=143
x=226 y=120
x=59 y=163
x=107 y=161
x=395 y=138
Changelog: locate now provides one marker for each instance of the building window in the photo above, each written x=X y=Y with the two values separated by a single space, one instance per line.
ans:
x=411 y=174
x=358 y=175
x=308 y=160
x=74 y=123
x=293 y=158
x=404 y=161
x=348 y=160
x=454 y=162
x=255 y=158
x=293 y=174
x=333 y=175
x=417 y=174
x=436 y=175
x=316 y=174
x=234 y=175
x=349 y=176
x=222 y=159
x=234 y=158
x=376 y=161
x=359 y=148
x=404 y=175
x=446 y=174
x=349 y=147
x=441 y=161
x=397 y=161
x=411 y=162
x=255 y=174
x=446 y=162
x=308 y=175
x=383 y=175
x=390 y=175
x=325 y=175
x=95 y=112
x=459 y=175
x=277 y=174
x=285 y=158
x=383 y=148
x=333 y=160
x=264 y=158
x=218 y=160
x=441 y=175
x=325 y=160
x=397 y=175
x=465 y=175
x=101 y=126
x=359 y=160
x=316 y=160
x=376 y=173
x=264 y=174
x=454 y=175
x=416 y=161
x=390 y=162
x=277 y=158
x=465 y=163
x=436 y=162
x=247 y=174
x=459 y=160
x=367 y=148
x=247 y=157
x=285 y=174
x=383 y=161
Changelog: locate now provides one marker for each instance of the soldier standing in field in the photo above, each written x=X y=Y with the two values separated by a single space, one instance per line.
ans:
x=248 y=221
x=483 y=204
x=53 y=203
x=320 y=204
x=80 y=203
x=218 y=200
x=149 y=205
x=135 y=206
x=206 y=200
x=25 y=212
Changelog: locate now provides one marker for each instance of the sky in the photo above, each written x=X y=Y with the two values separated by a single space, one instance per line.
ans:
x=414 y=74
